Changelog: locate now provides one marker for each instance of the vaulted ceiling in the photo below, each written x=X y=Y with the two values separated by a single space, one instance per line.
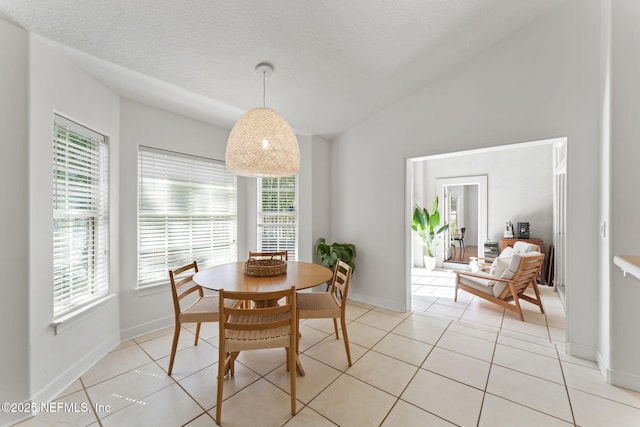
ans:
x=337 y=62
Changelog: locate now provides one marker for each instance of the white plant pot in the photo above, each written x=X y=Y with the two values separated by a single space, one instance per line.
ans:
x=429 y=262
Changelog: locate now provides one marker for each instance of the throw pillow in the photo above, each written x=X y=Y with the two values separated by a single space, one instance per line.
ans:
x=498 y=266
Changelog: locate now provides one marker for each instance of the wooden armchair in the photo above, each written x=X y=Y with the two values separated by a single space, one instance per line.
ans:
x=507 y=289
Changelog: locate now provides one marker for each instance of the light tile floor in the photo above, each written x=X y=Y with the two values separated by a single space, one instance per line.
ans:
x=465 y=363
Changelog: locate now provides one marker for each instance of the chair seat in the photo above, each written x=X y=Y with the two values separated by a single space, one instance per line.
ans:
x=318 y=305
x=482 y=285
x=255 y=339
x=204 y=309
x=489 y=286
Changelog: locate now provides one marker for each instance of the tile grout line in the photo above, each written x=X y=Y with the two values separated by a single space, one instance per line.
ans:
x=307 y=405
x=566 y=388
x=399 y=398
x=93 y=410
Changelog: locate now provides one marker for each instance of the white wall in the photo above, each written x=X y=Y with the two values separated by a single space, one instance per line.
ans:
x=14 y=218
x=57 y=85
x=625 y=175
x=520 y=186
x=321 y=201
x=540 y=82
x=305 y=198
x=143 y=311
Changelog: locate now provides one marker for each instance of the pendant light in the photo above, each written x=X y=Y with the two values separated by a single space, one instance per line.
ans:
x=261 y=143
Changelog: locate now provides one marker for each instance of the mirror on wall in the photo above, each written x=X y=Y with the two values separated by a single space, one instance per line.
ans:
x=465 y=206
x=460 y=211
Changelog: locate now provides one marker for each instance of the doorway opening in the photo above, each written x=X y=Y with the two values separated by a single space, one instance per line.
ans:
x=482 y=190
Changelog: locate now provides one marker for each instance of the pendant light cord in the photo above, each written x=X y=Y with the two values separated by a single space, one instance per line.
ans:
x=264 y=89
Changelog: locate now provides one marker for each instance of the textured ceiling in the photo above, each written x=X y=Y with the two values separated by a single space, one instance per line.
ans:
x=337 y=62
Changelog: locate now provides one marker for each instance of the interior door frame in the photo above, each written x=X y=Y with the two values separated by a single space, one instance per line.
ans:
x=483 y=217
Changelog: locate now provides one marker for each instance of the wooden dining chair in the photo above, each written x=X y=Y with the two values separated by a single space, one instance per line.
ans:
x=203 y=309
x=281 y=255
x=329 y=305
x=244 y=328
x=460 y=237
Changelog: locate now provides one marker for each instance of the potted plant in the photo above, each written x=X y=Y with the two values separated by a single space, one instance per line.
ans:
x=427 y=226
x=329 y=254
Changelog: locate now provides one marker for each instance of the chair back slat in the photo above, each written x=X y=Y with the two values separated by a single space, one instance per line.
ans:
x=261 y=313
x=178 y=284
x=340 y=283
x=233 y=324
x=526 y=273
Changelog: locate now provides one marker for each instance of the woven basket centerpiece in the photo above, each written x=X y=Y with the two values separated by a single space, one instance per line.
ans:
x=265 y=267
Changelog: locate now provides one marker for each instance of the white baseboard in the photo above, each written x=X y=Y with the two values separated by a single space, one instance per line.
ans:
x=623 y=379
x=58 y=385
x=75 y=371
x=145 y=328
x=618 y=378
x=380 y=302
x=12 y=418
x=581 y=351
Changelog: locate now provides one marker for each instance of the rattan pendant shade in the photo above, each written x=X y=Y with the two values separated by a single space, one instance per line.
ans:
x=262 y=144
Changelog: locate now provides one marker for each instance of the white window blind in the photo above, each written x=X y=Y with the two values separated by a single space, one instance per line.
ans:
x=277 y=215
x=80 y=216
x=186 y=211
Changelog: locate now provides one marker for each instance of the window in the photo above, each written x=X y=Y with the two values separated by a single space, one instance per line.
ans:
x=277 y=215
x=186 y=211
x=453 y=214
x=80 y=216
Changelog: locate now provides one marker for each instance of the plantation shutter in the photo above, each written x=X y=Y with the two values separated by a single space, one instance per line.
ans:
x=277 y=215
x=80 y=216
x=186 y=211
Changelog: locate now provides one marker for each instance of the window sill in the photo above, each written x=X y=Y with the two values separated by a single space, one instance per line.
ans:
x=68 y=320
x=154 y=288
x=629 y=264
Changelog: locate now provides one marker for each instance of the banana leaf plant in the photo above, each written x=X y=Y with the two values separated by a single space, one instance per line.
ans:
x=427 y=226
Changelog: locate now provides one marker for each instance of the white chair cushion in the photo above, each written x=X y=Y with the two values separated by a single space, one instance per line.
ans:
x=524 y=247
x=514 y=263
x=506 y=253
x=494 y=287
x=507 y=274
x=481 y=284
x=498 y=266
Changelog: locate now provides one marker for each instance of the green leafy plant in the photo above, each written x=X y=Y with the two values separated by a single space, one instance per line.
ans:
x=426 y=225
x=329 y=254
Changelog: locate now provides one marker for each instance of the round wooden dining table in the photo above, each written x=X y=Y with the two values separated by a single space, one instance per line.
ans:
x=231 y=277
